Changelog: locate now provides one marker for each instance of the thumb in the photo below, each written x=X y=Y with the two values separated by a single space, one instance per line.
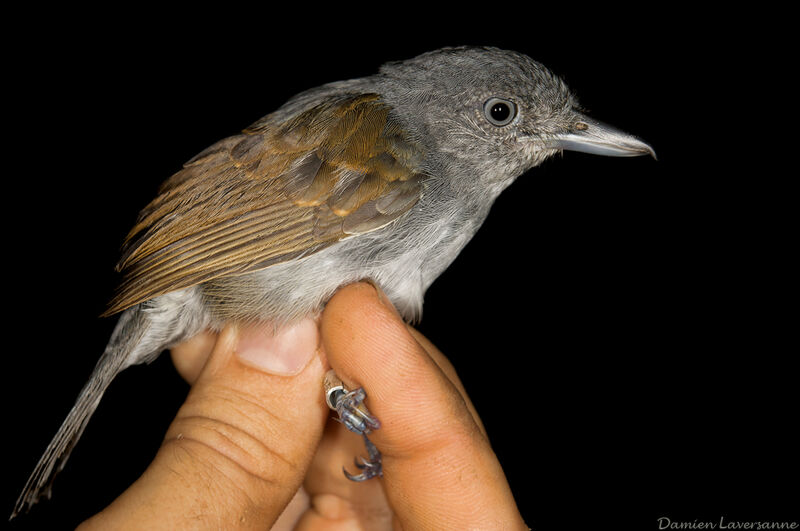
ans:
x=240 y=445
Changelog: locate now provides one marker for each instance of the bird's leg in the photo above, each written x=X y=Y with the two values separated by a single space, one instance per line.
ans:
x=349 y=405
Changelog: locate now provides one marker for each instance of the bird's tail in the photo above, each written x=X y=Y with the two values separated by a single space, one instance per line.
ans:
x=120 y=353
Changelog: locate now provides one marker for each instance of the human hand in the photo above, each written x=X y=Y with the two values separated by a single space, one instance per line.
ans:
x=247 y=439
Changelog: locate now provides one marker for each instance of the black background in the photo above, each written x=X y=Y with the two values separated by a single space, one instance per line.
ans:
x=618 y=323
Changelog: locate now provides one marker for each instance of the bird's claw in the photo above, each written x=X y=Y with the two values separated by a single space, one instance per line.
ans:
x=370 y=467
x=349 y=405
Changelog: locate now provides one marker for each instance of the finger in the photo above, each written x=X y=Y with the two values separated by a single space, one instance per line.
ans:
x=447 y=368
x=190 y=357
x=293 y=512
x=241 y=443
x=439 y=469
x=334 y=498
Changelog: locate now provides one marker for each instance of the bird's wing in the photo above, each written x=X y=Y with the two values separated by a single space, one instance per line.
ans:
x=275 y=192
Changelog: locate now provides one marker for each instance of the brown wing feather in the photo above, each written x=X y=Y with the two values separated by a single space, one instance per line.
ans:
x=272 y=193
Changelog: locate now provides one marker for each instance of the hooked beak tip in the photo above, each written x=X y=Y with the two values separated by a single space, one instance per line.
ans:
x=591 y=136
x=648 y=150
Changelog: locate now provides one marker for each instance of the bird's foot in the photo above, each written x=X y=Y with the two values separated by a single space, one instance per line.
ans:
x=349 y=405
x=369 y=467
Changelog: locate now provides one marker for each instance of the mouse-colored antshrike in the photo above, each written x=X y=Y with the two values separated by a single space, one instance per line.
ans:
x=384 y=178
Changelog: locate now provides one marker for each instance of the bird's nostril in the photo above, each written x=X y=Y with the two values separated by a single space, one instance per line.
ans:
x=581 y=126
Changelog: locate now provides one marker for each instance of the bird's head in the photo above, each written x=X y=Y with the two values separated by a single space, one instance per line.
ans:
x=495 y=113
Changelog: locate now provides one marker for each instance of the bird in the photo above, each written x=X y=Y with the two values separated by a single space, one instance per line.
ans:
x=383 y=178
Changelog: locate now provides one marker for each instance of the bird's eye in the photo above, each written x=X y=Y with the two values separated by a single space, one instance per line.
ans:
x=499 y=111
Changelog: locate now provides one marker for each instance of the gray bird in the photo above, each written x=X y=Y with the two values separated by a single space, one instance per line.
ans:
x=385 y=178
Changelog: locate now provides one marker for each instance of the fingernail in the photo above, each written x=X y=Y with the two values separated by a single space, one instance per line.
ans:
x=386 y=302
x=382 y=297
x=284 y=351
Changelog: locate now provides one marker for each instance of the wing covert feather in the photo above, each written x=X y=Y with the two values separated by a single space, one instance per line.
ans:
x=275 y=192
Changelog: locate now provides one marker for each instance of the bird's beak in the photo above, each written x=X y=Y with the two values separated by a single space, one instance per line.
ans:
x=590 y=136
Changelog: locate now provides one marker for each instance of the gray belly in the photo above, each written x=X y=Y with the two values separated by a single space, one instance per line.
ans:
x=403 y=258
